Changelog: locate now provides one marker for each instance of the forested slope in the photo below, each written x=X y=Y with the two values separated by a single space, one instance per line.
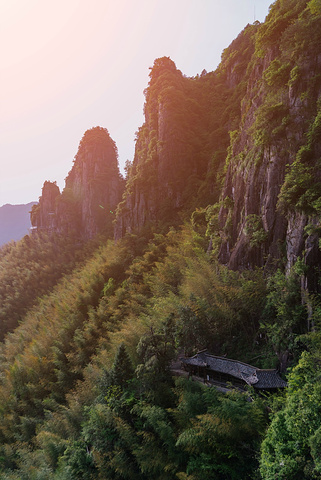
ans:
x=225 y=174
x=30 y=268
x=59 y=362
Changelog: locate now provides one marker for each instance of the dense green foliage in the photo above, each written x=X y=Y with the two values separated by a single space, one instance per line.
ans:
x=75 y=404
x=291 y=448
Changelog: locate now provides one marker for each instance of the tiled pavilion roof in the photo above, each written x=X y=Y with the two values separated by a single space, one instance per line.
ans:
x=258 y=378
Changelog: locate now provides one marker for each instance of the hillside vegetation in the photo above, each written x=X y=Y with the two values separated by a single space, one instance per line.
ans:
x=225 y=175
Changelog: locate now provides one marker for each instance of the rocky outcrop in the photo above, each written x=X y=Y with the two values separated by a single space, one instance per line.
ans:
x=181 y=147
x=265 y=210
x=154 y=190
x=94 y=182
x=253 y=126
x=44 y=214
x=93 y=189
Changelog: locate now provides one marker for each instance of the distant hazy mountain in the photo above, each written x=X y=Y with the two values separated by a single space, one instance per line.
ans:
x=14 y=221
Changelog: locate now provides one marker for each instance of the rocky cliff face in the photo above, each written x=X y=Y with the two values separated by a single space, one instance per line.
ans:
x=276 y=147
x=181 y=147
x=94 y=183
x=266 y=95
x=44 y=214
x=93 y=189
x=245 y=139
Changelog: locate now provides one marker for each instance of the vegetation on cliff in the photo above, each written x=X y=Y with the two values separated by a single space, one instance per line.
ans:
x=181 y=147
x=273 y=161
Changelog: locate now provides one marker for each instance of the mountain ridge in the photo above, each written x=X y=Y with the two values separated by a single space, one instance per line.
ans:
x=14 y=221
x=224 y=138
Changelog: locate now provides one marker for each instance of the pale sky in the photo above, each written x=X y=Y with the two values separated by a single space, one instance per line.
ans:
x=70 y=65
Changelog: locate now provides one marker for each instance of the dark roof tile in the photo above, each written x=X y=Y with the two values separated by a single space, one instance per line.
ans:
x=260 y=379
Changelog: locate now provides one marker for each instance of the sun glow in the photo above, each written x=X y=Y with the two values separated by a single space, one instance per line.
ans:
x=50 y=54
x=69 y=65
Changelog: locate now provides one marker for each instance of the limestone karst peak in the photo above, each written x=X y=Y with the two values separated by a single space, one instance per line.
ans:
x=92 y=191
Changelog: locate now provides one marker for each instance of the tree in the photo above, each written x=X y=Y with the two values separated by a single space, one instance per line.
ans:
x=223 y=442
x=156 y=351
x=284 y=316
x=291 y=448
x=122 y=370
